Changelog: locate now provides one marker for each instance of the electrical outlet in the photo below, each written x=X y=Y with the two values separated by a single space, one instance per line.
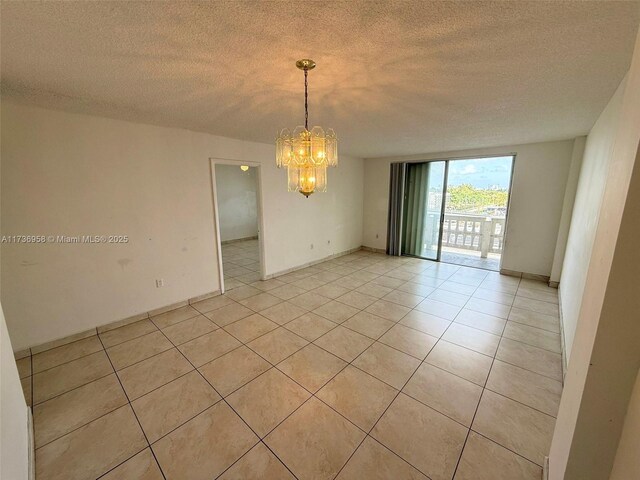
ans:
x=377 y=235
x=159 y=283
x=312 y=246
x=328 y=242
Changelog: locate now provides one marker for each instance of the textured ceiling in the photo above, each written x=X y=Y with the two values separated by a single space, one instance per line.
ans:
x=393 y=78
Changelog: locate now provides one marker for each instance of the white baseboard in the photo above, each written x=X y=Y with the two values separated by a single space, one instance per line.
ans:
x=545 y=469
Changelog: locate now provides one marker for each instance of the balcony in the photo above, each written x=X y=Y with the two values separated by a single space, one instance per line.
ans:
x=473 y=240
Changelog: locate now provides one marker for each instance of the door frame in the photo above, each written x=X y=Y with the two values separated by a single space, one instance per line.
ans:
x=213 y=161
x=513 y=156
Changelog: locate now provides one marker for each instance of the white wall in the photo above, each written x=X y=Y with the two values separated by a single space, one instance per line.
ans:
x=237 y=202
x=586 y=211
x=539 y=179
x=69 y=174
x=567 y=208
x=605 y=355
x=14 y=439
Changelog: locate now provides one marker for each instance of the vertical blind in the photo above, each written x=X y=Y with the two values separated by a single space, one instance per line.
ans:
x=415 y=199
x=396 y=200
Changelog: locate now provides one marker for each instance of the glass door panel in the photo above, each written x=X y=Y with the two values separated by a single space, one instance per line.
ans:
x=423 y=205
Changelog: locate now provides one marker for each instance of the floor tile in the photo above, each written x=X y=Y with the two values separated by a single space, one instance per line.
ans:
x=267 y=400
x=208 y=347
x=481 y=321
x=409 y=340
x=335 y=311
x=172 y=317
x=549 y=295
x=67 y=376
x=425 y=322
x=494 y=296
x=448 y=394
x=310 y=283
x=533 y=336
x=358 y=396
x=65 y=353
x=258 y=463
x=530 y=358
x=24 y=367
x=287 y=292
x=136 y=350
x=331 y=290
x=189 y=329
x=344 y=343
x=390 y=281
x=390 y=311
x=277 y=345
x=315 y=442
x=368 y=324
x=283 y=312
x=451 y=298
x=460 y=361
x=266 y=285
x=403 y=298
x=374 y=461
x=250 y=327
x=374 y=290
x=416 y=289
x=153 y=372
x=460 y=288
x=242 y=293
x=143 y=466
x=228 y=314
x=93 y=449
x=483 y=459
x=260 y=302
x=536 y=391
x=514 y=426
x=534 y=319
x=234 y=369
x=538 y=306
x=357 y=300
x=71 y=410
x=423 y=437
x=212 y=303
x=311 y=367
x=171 y=405
x=310 y=326
x=472 y=338
x=439 y=309
x=188 y=448
x=309 y=300
x=490 y=308
x=128 y=332
x=387 y=364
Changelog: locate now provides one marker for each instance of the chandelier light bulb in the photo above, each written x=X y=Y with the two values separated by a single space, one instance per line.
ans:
x=305 y=153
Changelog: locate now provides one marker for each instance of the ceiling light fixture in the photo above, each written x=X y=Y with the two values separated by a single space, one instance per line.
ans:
x=244 y=168
x=307 y=153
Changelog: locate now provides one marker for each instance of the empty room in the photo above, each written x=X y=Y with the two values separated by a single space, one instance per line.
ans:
x=352 y=240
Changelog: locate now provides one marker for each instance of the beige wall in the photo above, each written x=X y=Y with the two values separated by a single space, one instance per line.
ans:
x=67 y=174
x=237 y=202
x=588 y=200
x=627 y=462
x=605 y=356
x=14 y=439
x=539 y=180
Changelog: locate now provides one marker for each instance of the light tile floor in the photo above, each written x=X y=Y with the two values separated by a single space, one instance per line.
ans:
x=362 y=367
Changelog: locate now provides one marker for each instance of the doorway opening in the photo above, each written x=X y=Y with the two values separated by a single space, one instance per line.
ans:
x=475 y=211
x=455 y=211
x=238 y=219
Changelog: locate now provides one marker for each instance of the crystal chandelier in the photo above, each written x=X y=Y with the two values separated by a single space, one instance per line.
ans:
x=307 y=153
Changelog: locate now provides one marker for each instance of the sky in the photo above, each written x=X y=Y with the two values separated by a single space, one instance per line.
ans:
x=481 y=172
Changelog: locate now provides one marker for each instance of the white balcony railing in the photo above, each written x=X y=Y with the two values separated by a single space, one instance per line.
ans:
x=473 y=232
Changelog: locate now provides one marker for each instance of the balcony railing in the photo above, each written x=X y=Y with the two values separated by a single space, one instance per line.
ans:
x=473 y=232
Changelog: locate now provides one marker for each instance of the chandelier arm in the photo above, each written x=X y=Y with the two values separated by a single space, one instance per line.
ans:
x=306 y=99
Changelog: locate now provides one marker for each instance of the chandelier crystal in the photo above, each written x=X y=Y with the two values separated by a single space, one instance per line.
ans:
x=305 y=153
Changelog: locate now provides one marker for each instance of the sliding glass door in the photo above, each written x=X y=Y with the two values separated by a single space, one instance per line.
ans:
x=423 y=209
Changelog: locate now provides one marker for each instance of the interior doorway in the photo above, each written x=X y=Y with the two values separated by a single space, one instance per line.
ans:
x=238 y=220
x=455 y=210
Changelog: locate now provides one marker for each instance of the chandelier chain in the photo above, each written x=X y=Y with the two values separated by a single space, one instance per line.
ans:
x=306 y=100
